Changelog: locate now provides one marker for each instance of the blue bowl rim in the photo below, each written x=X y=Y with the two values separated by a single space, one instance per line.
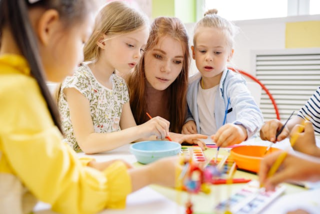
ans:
x=168 y=150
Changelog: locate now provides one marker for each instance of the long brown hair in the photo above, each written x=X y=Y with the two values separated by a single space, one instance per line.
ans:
x=14 y=15
x=162 y=26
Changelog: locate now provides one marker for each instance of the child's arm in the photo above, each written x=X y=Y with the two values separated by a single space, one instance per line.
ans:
x=271 y=127
x=295 y=167
x=91 y=142
x=249 y=118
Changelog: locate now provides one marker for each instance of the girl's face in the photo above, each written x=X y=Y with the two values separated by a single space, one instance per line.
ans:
x=163 y=63
x=64 y=51
x=123 y=52
x=211 y=51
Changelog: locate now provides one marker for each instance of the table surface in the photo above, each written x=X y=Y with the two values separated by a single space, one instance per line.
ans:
x=165 y=200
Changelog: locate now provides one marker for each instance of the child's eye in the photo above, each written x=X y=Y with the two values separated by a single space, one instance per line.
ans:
x=202 y=51
x=158 y=56
x=141 y=50
x=217 y=52
x=129 y=45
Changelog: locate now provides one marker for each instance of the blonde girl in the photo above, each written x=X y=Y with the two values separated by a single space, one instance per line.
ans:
x=94 y=102
x=219 y=103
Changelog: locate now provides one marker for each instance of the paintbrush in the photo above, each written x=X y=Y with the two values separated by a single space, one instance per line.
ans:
x=151 y=118
x=279 y=132
x=283 y=155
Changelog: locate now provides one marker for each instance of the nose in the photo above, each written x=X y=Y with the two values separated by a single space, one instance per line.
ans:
x=166 y=66
x=137 y=54
x=209 y=57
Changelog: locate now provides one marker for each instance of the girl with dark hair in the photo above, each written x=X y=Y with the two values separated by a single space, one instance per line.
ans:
x=43 y=40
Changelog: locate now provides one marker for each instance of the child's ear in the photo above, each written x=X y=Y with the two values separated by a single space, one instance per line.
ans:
x=230 y=55
x=102 y=41
x=47 y=26
x=193 y=52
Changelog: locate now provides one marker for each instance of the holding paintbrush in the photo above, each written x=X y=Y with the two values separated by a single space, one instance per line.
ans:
x=294 y=166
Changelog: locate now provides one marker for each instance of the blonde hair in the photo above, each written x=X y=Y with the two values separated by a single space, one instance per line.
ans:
x=211 y=19
x=113 y=19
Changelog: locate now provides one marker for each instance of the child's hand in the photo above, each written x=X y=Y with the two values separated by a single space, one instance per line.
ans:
x=294 y=168
x=306 y=142
x=230 y=134
x=163 y=171
x=189 y=128
x=156 y=126
x=190 y=139
x=269 y=131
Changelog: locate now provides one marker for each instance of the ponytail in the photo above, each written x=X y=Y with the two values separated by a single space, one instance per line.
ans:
x=14 y=15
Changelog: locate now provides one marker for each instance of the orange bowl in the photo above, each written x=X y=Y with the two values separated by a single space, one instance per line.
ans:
x=249 y=157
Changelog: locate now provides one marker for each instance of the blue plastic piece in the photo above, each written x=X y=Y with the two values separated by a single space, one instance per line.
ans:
x=149 y=151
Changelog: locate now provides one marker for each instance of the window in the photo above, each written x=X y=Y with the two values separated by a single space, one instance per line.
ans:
x=314 y=7
x=249 y=9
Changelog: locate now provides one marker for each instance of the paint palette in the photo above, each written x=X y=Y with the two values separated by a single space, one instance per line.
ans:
x=194 y=152
x=249 y=200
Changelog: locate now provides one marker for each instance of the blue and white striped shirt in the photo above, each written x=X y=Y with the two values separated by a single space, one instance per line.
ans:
x=311 y=110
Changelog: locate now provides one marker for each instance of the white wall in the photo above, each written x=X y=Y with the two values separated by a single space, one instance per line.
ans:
x=263 y=34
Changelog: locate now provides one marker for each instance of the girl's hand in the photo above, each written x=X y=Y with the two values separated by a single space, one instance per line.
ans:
x=295 y=167
x=270 y=129
x=189 y=128
x=103 y=165
x=230 y=134
x=306 y=142
x=163 y=171
x=156 y=126
x=190 y=139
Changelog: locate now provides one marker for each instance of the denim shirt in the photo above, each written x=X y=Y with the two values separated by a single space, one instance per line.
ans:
x=242 y=109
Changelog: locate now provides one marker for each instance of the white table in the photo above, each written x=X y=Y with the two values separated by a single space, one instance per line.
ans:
x=148 y=200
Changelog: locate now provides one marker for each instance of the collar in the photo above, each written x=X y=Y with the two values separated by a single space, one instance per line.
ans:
x=16 y=61
x=222 y=81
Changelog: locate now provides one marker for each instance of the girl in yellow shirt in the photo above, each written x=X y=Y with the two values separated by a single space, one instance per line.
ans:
x=43 y=39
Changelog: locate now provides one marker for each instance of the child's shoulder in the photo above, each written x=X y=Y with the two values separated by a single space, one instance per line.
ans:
x=232 y=77
x=81 y=73
x=194 y=78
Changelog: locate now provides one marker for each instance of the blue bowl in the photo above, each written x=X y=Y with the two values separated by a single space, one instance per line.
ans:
x=150 y=151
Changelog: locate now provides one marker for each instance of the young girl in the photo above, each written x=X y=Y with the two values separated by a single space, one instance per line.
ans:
x=94 y=102
x=34 y=164
x=219 y=102
x=159 y=82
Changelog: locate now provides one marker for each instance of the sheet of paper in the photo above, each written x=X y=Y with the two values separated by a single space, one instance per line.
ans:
x=146 y=201
x=308 y=201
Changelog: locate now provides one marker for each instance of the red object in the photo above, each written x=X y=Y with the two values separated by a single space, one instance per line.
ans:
x=234 y=181
x=262 y=86
x=151 y=118
x=189 y=209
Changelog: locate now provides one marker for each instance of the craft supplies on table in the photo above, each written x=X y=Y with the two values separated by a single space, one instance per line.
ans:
x=249 y=200
x=193 y=152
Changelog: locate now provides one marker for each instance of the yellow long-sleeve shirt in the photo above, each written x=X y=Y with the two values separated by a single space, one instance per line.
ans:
x=35 y=164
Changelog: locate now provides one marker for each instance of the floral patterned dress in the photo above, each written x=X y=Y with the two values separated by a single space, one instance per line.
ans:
x=105 y=104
